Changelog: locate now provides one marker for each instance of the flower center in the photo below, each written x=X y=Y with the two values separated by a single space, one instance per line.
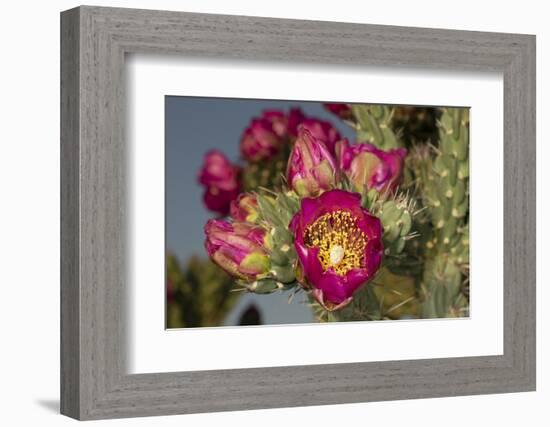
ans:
x=340 y=241
x=336 y=254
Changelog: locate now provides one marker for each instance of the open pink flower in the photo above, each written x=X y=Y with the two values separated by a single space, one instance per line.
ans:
x=311 y=168
x=220 y=179
x=339 y=246
x=369 y=167
x=237 y=247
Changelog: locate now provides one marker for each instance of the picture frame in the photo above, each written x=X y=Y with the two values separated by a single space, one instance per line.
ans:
x=94 y=380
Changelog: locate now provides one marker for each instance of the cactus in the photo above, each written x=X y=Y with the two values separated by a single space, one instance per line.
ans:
x=392 y=293
x=436 y=261
x=425 y=218
x=396 y=216
x=387 y=296
x=442 y=282
x=444 y=183
x=365 y=306
x=416 y=124
x=373 y=125
x=274 y=214
x=389 y=127
x=397 y=295
x=266 y=173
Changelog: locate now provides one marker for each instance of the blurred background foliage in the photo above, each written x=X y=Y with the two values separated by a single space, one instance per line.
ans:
x=416 y=124
x=198 y=294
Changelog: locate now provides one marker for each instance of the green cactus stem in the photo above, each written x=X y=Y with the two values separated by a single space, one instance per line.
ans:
x=444 y=180
x=373 y=125
x=364 y=306
x=397 y=295
x=265 y=174
x=275 y=210
x=396 y=216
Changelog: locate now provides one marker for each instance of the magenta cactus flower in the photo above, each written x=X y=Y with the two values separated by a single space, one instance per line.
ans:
x=339 y=246
x=311 y=168
x=259 y=141
x=369 y=167
x=220 y=179
x=341 y=110
x=237 y=247
x=278 y=120
x=323 y=131
x=265 y=136
x=244 y=208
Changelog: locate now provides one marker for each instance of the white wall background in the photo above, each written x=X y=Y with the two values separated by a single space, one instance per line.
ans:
x=29 y=213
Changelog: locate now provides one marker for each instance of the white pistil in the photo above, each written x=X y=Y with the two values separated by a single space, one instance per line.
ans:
x=336 y=254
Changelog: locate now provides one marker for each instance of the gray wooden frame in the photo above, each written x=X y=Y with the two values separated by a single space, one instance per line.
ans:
x=94 y=41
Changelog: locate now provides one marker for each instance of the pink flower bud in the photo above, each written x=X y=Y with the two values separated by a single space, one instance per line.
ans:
x=244 y=208
x=278 y=120
x=369 y=167
x=238 y=248
x=259 y=141
x=323 y=131
x=220 y=179
x=311 y=168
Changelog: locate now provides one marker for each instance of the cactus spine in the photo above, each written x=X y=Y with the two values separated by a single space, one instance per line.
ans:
x=275 y=213
x=390 y=294
x=435 y=264
x=444 y=180
x=266 y=173
x=373 y=125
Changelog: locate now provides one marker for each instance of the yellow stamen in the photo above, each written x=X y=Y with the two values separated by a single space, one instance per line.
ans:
x=340 y=241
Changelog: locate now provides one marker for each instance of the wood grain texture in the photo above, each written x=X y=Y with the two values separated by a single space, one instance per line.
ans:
x=94 y=382
x=70 y=307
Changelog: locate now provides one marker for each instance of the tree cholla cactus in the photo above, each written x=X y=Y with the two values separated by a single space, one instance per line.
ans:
x=437 y=178
x=372 y=230
x=444 y=186
x=265 y=173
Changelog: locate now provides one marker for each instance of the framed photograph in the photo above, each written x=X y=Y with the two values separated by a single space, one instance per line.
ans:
x=261 y=213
